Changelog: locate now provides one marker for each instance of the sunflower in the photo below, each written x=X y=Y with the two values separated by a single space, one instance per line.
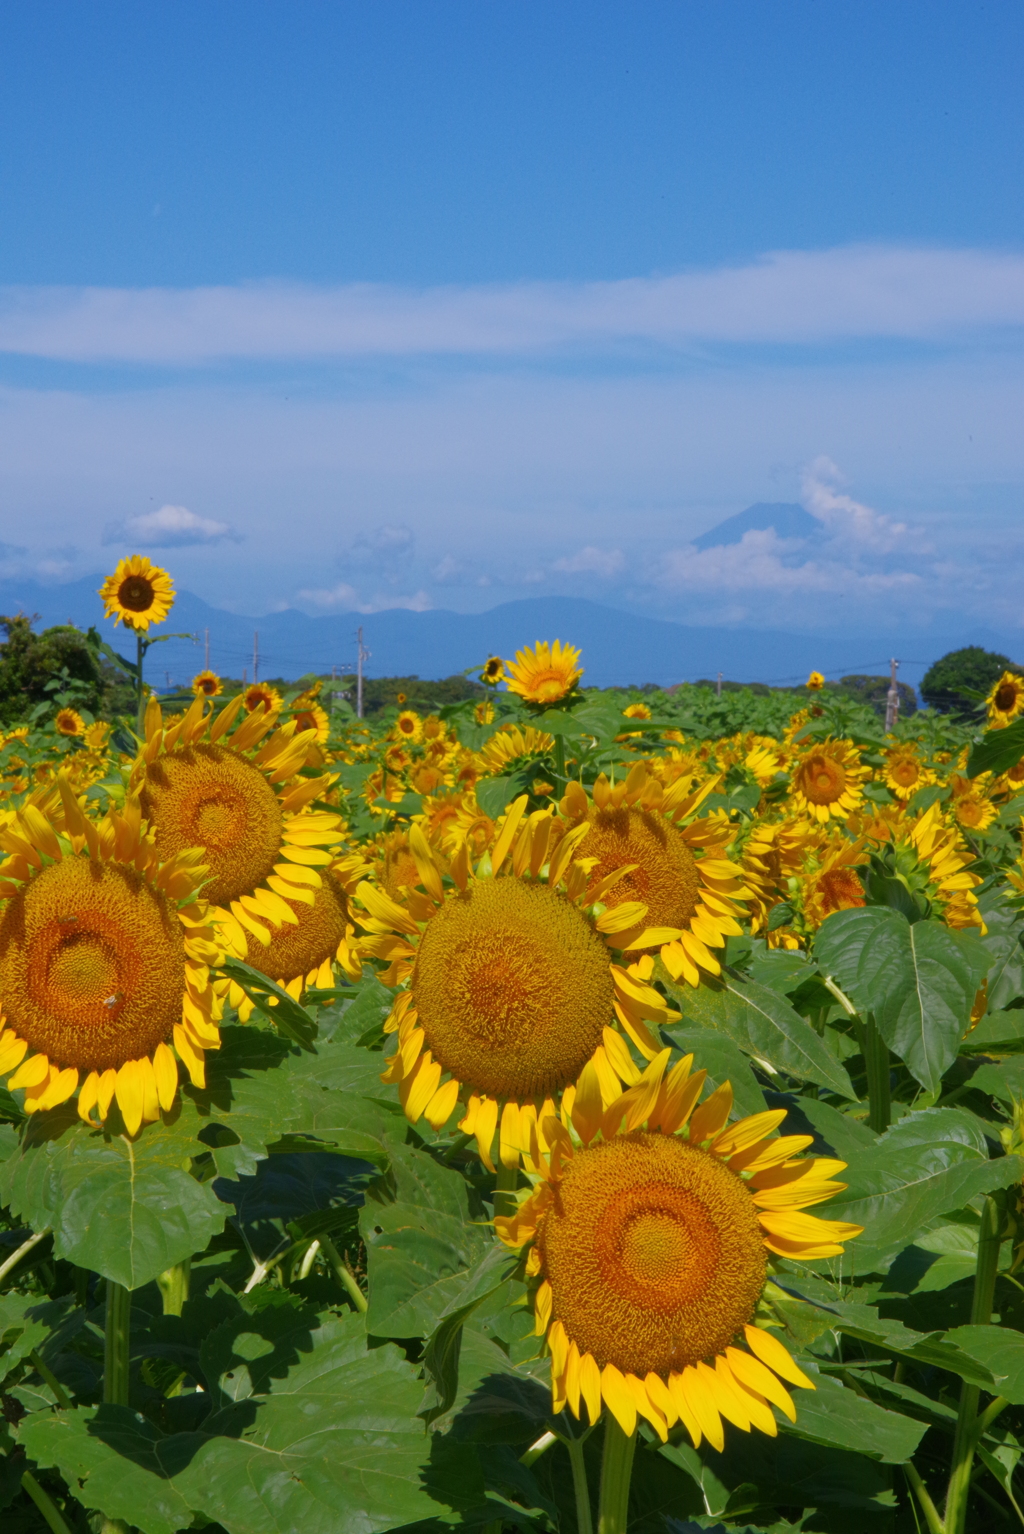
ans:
x=262 y=695
x=970 y=802
x=138 y=593
x=637 y=711
x=546 y=674
x=512 y=743
x=679 y=872
x=105 y=950
x=815 y=682
x=408 y=726
x=201 y=786
x=828 y=780
x=308 y=715
x=830 y=881
x=207 y=684
x=773 y=861
x=1006 y=700
x=400 y=699
x=97 y=735
x=483 y=712
x=760 y=755
x=511 y=992
x=905 y=772
x=929 y=856
x=649 y=1232
x=69 y=722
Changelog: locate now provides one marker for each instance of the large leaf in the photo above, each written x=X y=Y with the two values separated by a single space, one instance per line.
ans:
x=274 y=1003
x=443 y=1348
x=840 y=1417
x=1006 y=954
x=997 y=750
x=919 y=980
x=1000 y=1349
x=928 y=1165
x=765 y=1027
x=724 y=1061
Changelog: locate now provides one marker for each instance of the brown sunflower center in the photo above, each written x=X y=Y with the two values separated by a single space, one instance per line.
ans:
x=822 y=779
x=513 y=988
x=295 y=950
x=840 y=889
x=905 y=773
x=653 y=1251
x=92 y=964
x=210 y=797
x=136 y=593
x=1006 y=697
x=666 y=877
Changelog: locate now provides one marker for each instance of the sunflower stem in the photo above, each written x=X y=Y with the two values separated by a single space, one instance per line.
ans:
x=616 y=1472
x=584 y=1518
x=343 y=1273
x=45 y=1503
x=21 y=1251
x=140 y=695
x=928 y=1508
x=505 y=1185
x=560 y=761
x=876 y=1061
x=117 y=1344
x=173 y=1286
x=968 y=1423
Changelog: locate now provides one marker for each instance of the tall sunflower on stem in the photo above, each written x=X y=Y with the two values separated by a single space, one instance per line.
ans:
x=105 y=953
x=648 y=1236
x=139 y=594
x=511 y=995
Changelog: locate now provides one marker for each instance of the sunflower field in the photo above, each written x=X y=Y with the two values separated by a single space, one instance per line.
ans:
x=560 y=1110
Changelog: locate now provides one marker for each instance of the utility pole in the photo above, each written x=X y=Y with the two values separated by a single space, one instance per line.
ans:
x=719 y=687
x=362 y=654
x=206 y=662
x=256 y=655
x=892 y=699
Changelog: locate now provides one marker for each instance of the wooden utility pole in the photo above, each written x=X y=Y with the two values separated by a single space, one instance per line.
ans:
x=256 y=655
x=892 y=699
x=362 y=654
x=719 y=687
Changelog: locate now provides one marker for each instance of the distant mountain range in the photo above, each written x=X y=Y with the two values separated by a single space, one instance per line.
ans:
x=619 y=648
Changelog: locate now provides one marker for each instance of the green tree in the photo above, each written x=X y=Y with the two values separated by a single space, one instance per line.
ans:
x=959 y=681
x=28 y=661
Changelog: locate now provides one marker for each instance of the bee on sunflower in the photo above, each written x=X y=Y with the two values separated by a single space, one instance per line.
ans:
x=661 y=856
x=648 y=1235
x=235 y=794
x=138 y=593
x=105 y=955
x=544 y=674
x=828 y=780
x=511 y=992
x=207 y=684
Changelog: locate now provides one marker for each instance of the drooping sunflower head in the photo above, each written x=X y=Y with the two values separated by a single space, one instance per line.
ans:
x=637 y=711
x=138 y=593
x=104 y=962
x=493 y=671
x=815 y=682
x=262 y=695
x=512 y=746
x=235 y=795
x=647 y=847
x=69 y=722
x=774 y=856
x=511 y=993
x=650 y=1230
x=545 y=674
x=1006 y=700
x=828 y=780
x=207 y=684
x=930 y=857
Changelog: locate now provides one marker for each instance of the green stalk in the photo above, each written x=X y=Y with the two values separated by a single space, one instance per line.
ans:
x=616 y=1471
x=505 y=1186
x=560 y=762
x=48 y=1377
x=968 y=1422
x=117 y=1344
x=140 y=695
x=173 y=1286
x=44 y=1503
x=928 y=1508
x=876 y=1061
x=584 y=1519
x=343 y=1273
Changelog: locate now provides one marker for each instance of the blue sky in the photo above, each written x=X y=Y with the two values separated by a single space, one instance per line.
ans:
x=347 y=306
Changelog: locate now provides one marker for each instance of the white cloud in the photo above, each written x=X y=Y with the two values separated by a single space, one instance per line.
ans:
x=846 y=518
x=345 y=598
x=800 y=297
x=762 y=562
x=172 y=527
x=590 y=561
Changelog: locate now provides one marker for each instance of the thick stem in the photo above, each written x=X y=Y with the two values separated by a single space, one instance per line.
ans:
x=343 y=1273
x=968 y=1421
x=140 y=696
x=616 y=1471
x=22 y=1251
x=48 y=1377
x=876 y=1061
x=505 y=1186
x=560 y=761
x=928 y=1508
x=173 y=1286
x=117 y=1344
x=584 y=1517
x=44 y=1503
